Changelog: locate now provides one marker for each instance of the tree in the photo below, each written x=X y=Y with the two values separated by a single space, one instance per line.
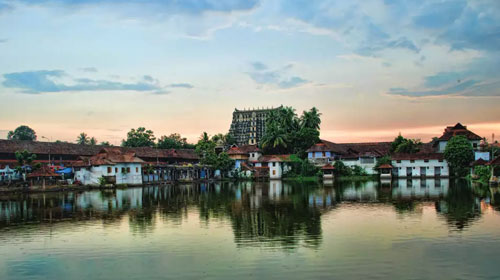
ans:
x=275 y=140
x=24 y=160
x=403 y=145
x=459 y=154
x=341 y=169
x=93 y=141
x=139 y=137
x=173 y=141
x=82 y=139
x=382 y=160
x=409 y=146
x=23 y=132
x=105 y=143
x=311 y=119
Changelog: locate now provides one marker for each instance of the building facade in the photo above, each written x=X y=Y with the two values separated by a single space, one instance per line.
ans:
x=249 y=126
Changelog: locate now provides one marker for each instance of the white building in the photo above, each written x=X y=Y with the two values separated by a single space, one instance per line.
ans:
x=350 y=154
x=111 y=164
x=278 y=165
x=419 y=165
x=456 y=130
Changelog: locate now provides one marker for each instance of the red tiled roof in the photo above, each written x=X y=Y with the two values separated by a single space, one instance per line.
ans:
x=480 y=161
x=110 y=156
x=328 y=167
x=35 y=147
x=276 y=158
x=458 y=129
x=385 y=166
x=243 y=150
x=495 y=161
x=353 y=150
x=44 y=171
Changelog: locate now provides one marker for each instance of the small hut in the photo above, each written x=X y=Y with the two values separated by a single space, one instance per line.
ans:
x=328 y=171
x=385 y=171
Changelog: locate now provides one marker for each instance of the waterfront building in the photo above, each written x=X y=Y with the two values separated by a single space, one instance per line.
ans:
x=249 y=160
x=248 y=126
x=351 y=154
x=112 y=164
x=419 y=165
x=455 y=130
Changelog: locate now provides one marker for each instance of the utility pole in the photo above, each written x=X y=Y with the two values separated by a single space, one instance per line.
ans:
x=50 y=144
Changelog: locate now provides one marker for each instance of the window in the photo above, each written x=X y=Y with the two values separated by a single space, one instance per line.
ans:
x=398 y=161
x=137 y=170
x=128 y=169
x=367 y=160
x=324 y=154
x=274 y=172
x=426 y=160
x=123 y=169
x=109 y=170
x=116 y=169
x=412 y=161
x=474 y=145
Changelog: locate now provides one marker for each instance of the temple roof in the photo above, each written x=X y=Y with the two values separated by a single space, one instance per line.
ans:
x=458 y=129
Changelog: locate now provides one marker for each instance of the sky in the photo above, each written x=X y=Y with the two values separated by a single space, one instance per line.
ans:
x=372 y=68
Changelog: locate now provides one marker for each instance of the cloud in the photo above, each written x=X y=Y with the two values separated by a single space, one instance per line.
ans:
x=261 y=74
x=459 y=89
x=161 y=6
x=4 y=7
x=181 y=85
x=89 y=69
x=438 y=15
x=44 y=81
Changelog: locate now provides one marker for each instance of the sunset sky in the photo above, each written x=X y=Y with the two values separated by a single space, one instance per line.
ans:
x=372 y=68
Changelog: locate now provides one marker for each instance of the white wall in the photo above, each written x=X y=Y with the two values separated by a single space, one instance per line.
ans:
x=275 y=170
x=368 y=167
x=91 y=176
x=416 y=164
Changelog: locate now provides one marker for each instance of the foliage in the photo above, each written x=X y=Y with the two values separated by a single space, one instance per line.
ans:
x=205 y=148
x=139 y=137
x=93 y=141
x=22 y=132
x=286 y=133
x=403 y=145
x=459 y=154
x=301 y=167
x=483 y=172
x=358 y=171
x=102 y=181
x=24 y=160
x=173 y=141
x=83 y=139
x=105 y=143
x=225 y=139
x=341 y=169
x=382 y=160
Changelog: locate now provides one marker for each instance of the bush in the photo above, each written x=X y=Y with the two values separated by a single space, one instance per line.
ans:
x=483 y=173
x=341 y=169
x=358 y=171
x=102 y=181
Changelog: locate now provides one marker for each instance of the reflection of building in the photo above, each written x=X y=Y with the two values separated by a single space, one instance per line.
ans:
x=421 y=188
x=249 y=126
x=366 y=192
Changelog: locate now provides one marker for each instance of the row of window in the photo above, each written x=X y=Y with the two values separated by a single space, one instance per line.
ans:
x=413 y=161
x=123 y=170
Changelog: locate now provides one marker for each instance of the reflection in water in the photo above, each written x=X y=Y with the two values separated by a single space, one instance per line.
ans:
x=253 y=230
x=259 y=212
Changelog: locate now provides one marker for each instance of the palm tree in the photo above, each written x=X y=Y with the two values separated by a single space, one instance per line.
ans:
x=93 y=141
x=275 y=140
x=311 y=118
x=82 y=139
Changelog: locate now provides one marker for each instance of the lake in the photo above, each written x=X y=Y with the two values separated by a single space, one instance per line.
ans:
x=416 y=229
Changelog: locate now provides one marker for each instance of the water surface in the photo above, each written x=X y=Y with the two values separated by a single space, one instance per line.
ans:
x=417 y=229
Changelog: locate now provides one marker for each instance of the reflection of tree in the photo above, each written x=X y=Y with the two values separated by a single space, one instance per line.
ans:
x=403 y=206
x=284 y=222
x=459 y=207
